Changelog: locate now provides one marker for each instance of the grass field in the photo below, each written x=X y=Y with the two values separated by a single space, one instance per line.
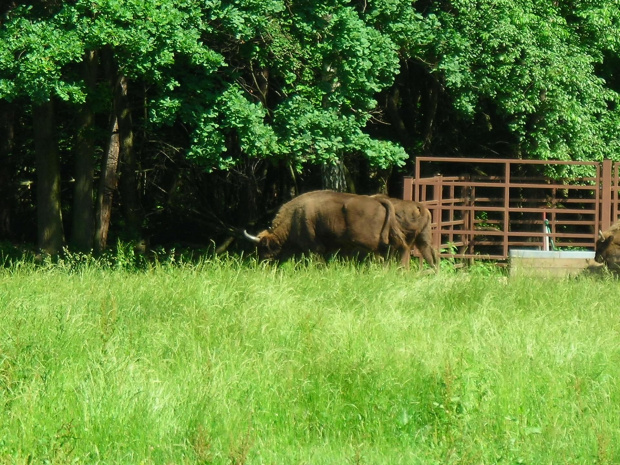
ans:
x=232 y=363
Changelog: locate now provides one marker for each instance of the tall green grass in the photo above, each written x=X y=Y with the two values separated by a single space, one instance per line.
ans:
x=229 y=362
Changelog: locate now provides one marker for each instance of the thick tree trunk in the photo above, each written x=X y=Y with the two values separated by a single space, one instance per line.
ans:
x=7 y=185
x=109 y=171
x=49 y=217
x=334 y=176
x=107 y=185
x=83 y=205
x=129 y=182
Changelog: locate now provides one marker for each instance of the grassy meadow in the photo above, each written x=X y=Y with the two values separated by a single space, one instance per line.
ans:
x=231 y=362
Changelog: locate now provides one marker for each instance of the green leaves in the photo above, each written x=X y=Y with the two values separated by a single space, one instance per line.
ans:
x=313 y=72
x=32 y=57
x=538 y=66
x=301 y=80
x=321 y=136
x=358 y=61
x=231 y=114
x=146 y=37
x=234 y=72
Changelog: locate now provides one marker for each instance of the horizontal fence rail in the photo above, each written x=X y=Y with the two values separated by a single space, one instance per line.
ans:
x=483 y=207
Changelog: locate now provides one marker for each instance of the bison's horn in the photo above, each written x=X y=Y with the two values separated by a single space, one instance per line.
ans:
x=250 y=237
x=601 y=235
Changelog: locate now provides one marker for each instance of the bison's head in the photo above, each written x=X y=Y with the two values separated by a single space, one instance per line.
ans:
x=608 y=249
x=267 y=244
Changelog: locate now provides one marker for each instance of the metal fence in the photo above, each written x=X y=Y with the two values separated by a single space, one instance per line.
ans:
x=484 y=207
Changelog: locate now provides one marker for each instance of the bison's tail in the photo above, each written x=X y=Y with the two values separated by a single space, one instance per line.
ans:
x=391 y=234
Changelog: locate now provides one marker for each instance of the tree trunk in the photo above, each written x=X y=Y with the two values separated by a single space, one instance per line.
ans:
x=129 y=182
x=109 y=179
x=334 y=177
x=49 y=217
x=107 y=185
x=83 y=205
x=7 y=170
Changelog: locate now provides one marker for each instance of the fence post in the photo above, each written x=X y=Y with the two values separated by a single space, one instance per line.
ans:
x=506 y=225
x=614 y=193
x=606 y=196
x=467 y=237
x=408 y=188
x=437 y=214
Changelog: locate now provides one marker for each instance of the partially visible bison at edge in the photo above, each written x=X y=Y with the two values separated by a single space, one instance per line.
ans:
x=328 y=222
x=608 y=247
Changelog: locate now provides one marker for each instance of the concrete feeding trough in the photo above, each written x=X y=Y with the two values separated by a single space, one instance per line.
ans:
x=550 y=262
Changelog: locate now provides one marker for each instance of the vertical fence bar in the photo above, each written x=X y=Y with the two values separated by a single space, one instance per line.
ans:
x=606 y=195
x=466 y=217
x=506 y=206
x=450 y=208
x=438 y=213
x=471 y=201
x=408 y=188
x=554 y=196
x=469 y=220
x=418 y=176
x=598 y=185
x=614 y=193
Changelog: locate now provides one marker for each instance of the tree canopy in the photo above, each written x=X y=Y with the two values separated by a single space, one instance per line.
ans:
x=224 y=108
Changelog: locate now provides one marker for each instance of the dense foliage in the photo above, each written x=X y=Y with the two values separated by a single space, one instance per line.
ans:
x=198 y=117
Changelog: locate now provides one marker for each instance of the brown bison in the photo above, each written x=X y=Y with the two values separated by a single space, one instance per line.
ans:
x=328 y=222
x=415 y=223
x=608 y=247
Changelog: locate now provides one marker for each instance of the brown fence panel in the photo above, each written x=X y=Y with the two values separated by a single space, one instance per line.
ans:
x=491 y=205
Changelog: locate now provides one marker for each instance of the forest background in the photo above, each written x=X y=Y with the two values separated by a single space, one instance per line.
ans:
x=185 y=121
